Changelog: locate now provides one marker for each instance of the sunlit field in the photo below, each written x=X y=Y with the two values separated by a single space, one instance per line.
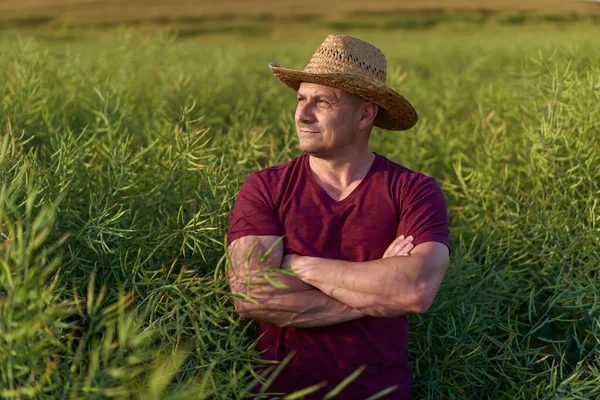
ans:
x=130 y=10
x=122 y=150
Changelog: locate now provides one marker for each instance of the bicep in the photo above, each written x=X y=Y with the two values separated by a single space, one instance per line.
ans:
x=424 y=214
x=435 y=259
x=254 y=214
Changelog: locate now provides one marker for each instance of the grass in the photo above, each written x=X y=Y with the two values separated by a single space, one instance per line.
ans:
x=120 y=159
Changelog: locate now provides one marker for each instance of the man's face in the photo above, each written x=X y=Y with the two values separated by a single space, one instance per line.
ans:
x=328 y=120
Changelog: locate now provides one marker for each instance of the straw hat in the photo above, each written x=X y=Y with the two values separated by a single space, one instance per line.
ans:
x=359 y=68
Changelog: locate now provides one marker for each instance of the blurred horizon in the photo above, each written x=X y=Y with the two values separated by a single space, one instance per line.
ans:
x=125 y=10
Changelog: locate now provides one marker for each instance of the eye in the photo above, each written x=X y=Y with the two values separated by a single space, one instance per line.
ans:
x=299 y=99
x=323 y=104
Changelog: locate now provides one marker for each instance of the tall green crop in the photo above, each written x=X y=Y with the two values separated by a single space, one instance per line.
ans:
x=120 y=160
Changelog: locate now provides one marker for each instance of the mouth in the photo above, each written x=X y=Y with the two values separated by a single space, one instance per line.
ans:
x=308 y=131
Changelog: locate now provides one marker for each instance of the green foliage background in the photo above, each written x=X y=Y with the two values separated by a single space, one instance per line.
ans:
x=120 y=159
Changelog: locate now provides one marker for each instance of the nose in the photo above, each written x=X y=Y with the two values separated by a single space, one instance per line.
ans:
x=305 y=113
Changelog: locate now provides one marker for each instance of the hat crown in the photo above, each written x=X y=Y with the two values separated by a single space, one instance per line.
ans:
x=340 y=54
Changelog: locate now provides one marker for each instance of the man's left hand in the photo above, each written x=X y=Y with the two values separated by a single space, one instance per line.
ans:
x=402 y=246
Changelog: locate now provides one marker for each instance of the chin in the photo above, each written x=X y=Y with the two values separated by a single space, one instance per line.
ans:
x=308 y=146
x=316 y=152
x=309 y=150
x=314 y=148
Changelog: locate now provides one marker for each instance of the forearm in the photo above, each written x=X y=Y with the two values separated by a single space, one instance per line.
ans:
x=387 y=287
x=266 y=283
x=270 y=295
x=302 y=309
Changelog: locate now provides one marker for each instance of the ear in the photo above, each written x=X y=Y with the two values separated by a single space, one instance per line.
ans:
x=368 y=112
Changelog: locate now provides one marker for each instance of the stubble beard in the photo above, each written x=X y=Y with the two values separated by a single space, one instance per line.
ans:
x=310 y=146
x=314 y=146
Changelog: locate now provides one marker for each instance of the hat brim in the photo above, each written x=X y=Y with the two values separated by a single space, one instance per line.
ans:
x=395 y=112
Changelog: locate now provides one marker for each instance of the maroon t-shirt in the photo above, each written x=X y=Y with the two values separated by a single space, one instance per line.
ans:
x=390 y=201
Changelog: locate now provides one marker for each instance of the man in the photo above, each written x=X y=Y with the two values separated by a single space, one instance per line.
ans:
x=367 y=237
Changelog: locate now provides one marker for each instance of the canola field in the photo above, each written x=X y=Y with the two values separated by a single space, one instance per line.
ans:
x=121 y=154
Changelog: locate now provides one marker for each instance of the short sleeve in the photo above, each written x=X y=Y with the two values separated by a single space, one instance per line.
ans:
x=254 y=212
x=424 y=214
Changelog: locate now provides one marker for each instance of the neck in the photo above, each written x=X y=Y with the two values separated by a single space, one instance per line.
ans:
x=343 y=171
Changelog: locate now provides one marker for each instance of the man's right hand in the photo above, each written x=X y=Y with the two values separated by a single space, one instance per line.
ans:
x=402 y=246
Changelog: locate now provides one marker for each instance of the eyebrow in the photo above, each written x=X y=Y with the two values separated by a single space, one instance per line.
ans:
x=320 y=96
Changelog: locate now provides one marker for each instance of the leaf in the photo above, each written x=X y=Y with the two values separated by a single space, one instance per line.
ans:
x=343 y=384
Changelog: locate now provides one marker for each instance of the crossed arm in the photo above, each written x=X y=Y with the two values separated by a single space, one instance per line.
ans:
x=332 y=291
x=286 y=302
x=388 y=287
